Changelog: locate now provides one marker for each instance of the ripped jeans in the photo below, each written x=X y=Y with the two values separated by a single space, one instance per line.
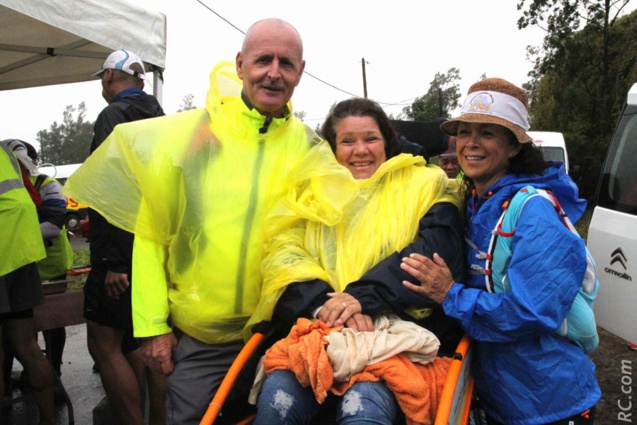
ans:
x=284 y=401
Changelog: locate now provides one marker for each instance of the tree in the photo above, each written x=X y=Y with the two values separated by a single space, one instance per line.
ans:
x=441 y=98
x=69 y=142
x=581 y=75
x=187 y=103
x=300 y=115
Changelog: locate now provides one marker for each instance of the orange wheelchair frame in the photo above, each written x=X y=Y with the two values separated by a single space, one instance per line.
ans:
x=455 y=401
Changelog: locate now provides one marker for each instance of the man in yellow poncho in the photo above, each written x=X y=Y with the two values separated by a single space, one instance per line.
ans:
x=194 y=188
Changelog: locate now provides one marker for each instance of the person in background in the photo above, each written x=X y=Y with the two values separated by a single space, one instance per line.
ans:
x=333 y=251
x=59 y=254
x=204 y=179
x=107 y=291
x=448 y=160
x=20 y=286
x=524 y=372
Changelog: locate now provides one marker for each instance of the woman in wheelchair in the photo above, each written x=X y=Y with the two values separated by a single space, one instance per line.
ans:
x=334 y=245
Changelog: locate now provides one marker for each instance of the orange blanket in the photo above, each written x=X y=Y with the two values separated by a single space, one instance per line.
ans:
x=417 y=387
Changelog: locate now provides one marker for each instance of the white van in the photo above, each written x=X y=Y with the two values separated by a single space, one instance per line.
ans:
x=58 y=172
x=612 y=234
x=552 y=145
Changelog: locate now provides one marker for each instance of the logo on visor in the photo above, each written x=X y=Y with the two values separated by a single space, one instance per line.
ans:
x=481 y=103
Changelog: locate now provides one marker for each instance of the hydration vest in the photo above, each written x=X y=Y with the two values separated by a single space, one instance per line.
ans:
x=579 y=326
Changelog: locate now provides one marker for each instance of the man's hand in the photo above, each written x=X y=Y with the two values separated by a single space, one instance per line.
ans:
x=115 y=284
x=157 y=352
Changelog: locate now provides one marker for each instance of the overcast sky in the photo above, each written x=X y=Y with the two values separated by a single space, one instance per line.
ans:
x=404 y=43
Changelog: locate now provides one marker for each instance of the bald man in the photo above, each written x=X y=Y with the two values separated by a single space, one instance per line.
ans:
x=204 y=180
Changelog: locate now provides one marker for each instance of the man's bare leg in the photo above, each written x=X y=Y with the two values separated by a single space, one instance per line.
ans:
x=156 y=387
x=20 y=334
x=118 y=377
x=157 y=394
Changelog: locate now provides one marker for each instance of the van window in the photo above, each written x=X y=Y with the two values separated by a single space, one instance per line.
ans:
x=552 y=145
x=618 y=186
x=552 y=154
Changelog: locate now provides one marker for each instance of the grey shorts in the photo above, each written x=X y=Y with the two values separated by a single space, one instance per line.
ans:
x=199 y=370
x=20 y=291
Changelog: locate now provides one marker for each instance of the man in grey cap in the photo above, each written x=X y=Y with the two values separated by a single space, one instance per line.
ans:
x=107 y=292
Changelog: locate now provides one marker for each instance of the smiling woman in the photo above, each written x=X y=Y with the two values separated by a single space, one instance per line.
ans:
x=514 y=331
x=360 y=146
x=485 y=152
x=360 y=135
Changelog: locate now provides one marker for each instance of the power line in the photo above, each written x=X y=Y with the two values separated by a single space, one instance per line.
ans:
x=221 y=17
x=243 y=32
x=331 y=85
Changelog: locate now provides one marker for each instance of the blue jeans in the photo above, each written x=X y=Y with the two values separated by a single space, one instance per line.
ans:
x=284 y=401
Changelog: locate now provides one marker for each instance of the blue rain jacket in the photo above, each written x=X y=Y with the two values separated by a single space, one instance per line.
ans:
x=524 y=373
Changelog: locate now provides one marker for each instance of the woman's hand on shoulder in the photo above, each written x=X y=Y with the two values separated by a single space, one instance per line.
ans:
x=434 y=276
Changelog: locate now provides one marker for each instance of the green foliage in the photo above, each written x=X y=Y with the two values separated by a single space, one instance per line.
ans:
x=187 y=103
x=582 y=225
x=69 y=142
x=81 y=257
x=300 y=114
x=580 y=79
x=441 y=98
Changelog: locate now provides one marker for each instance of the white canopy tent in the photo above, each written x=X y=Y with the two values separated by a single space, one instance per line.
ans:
x=65 y=41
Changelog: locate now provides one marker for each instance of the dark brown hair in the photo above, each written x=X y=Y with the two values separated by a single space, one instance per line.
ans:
x=360 y=107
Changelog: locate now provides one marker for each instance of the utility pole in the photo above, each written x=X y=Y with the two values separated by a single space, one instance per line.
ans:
x=364 y=80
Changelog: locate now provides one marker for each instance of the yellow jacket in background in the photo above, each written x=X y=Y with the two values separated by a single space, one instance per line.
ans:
x=59 y=253
x=194 y=188
x=20 y=239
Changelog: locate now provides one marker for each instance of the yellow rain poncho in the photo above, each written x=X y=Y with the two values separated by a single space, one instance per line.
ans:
x=332 y=227
x=194 y=188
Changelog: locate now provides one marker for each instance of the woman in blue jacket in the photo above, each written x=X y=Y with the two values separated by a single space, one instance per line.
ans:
x=524 y=372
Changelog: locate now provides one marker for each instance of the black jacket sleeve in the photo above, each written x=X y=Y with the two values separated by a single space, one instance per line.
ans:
x=120 y=250
x=54 y=215
x=381 y=288
x=300 y=299
x=105 y=123
x=111 y=247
